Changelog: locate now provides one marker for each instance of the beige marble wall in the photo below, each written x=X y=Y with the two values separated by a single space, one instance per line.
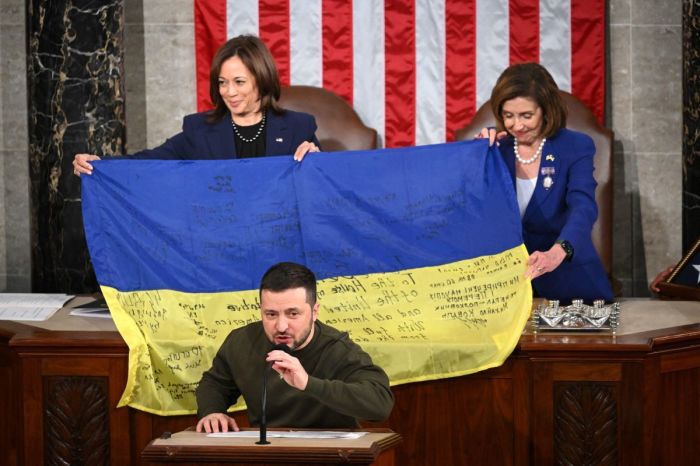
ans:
x=160 y=74
x=645 y=75
x=645 y=113
x=15 y=265
x=3 y=242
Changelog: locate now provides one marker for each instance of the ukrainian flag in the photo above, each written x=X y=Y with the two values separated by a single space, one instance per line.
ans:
x=418 y=251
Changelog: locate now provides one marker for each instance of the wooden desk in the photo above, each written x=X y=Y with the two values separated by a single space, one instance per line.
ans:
x=375 y=448
x=632 y=399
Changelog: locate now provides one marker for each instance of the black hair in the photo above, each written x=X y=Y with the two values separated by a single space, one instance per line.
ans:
x=287 y=275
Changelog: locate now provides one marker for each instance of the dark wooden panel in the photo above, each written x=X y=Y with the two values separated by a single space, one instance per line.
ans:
x=522 y=409
x=542 y=414
x=577 y=409
x=680 y=360
x=61 y=409
x=76 y=424
x=631 y=414
x=585 y=424
x=502 y=416
x=461 y=421
x=587 y=371
x=32 y=409
x=10 y=415
x=119 y=422
x=678 y=423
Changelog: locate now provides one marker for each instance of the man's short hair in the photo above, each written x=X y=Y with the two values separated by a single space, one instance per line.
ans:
x=288 y=275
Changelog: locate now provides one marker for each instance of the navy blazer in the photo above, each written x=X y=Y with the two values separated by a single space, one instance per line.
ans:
x=566 y=210
x=200 y=140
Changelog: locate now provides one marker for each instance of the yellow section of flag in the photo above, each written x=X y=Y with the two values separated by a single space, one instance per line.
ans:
x=417 y=324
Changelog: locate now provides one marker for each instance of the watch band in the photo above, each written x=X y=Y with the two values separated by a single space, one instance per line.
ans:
x=567 y=247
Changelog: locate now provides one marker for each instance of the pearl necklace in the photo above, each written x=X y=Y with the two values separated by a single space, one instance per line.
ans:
x=534 y=157
x=262 y=125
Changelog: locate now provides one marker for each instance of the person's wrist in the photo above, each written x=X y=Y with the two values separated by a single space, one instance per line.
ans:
x=567 y=248
x=559 y=253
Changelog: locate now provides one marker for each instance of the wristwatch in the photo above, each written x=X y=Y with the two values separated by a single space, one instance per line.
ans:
x=567 y=247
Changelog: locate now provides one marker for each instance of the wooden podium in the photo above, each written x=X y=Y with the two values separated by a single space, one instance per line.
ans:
x=630 y=399
x=189 y=447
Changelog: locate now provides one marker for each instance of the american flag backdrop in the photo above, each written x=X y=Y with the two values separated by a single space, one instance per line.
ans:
x=414 y=70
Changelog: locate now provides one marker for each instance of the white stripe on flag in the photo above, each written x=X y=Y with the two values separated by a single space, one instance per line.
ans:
x=306 y=43
x=492 y=45
x=368 y=63
x=242 y=18
x=369 y=87
x=555 y=40
x=430 y=72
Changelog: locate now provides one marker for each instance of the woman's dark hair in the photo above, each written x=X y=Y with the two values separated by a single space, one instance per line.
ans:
x=533 y=81
x=288 y=275
x=257 y=58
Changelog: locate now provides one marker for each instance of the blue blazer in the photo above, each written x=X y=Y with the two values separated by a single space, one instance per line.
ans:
x=566 y=210
x=200 y=140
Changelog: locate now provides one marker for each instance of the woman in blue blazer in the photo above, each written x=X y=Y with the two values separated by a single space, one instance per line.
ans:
x=246 y=121
x=552 y=170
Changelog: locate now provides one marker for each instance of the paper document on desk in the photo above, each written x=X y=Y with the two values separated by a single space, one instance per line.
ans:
x=101 y=312
x=30 y=306
x=97 y=308
x=306 y=434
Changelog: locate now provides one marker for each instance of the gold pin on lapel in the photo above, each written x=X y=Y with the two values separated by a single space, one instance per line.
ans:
x=549 y=157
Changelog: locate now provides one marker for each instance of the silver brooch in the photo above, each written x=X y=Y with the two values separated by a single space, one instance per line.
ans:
x=279 y=140
x=547 y=173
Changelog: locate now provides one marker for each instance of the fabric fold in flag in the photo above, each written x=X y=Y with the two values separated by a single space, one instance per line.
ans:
x=418 y=252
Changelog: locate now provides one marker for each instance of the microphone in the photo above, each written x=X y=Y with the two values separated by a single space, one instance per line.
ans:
x=263 y=415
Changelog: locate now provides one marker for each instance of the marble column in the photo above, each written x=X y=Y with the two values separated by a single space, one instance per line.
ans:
x=76 y=105
x=691 y=122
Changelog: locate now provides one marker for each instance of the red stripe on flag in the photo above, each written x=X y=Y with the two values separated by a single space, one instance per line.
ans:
x=274 y=31
x=524 y=30
x=460 y=64
x=588 y=54
x=209 y=34
x=400 y=72
x=337 y=47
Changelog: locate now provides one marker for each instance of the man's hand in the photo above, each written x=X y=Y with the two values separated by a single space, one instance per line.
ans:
x=289 y=368
x=217 y=422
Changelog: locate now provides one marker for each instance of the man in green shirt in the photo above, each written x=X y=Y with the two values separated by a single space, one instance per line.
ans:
x=325 y=381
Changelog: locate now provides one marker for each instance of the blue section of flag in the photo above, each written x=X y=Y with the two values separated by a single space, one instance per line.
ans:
x=689 y=274
x=207 y=226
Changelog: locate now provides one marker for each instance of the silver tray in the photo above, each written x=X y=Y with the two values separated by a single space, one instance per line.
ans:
x=576 y=317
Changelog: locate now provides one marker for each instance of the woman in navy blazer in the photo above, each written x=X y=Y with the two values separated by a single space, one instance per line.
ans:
x=246 y=121
x=552 y=170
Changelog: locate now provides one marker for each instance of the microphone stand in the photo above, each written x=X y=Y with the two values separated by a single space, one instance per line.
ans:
x=263 y=415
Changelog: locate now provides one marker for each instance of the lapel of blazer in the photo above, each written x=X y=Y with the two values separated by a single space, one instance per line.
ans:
x=278 y=139
x=220 y=139
x=549 y=167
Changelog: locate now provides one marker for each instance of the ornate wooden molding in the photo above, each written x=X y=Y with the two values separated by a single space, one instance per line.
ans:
x=76 y=421
x=585 y=424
